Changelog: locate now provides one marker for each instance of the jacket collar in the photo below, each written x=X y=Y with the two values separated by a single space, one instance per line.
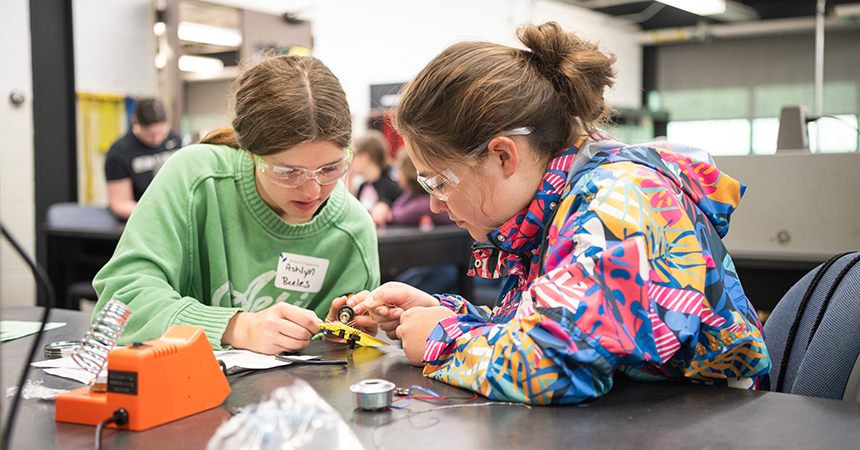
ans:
x=523 y=232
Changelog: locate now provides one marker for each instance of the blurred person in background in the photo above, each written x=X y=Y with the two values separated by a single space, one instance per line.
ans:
x=134 y=159
x=378 y=190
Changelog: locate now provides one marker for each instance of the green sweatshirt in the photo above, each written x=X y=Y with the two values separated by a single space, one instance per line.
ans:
x=202 y=245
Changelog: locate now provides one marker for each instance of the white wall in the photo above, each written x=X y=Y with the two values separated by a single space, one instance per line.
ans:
x=17 y=204
x=389 y=41
x=367 y=42
x=114 y=47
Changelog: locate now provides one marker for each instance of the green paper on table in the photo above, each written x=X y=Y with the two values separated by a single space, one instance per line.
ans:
x=14 y=329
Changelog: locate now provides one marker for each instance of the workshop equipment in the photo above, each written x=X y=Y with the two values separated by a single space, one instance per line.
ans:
x=373 y=394
x=156 y=382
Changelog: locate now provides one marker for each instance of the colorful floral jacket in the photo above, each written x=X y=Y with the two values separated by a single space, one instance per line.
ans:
x=629 y=274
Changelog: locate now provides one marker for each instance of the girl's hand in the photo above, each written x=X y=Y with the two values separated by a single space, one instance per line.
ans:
x=416 y=324
x=280 y=328
x=387 y=303
x=361 y=322
x=381 y=214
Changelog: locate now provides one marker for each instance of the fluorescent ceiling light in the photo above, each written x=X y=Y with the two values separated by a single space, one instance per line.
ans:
x=208 y=34
x=199 y=64
x=700 y=7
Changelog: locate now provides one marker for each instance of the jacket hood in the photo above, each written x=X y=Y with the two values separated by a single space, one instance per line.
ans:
x=716 y=194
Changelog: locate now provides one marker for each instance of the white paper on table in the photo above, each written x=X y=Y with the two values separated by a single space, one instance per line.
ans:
x=66 y=367
x=63 y=363
x=79 y=375
x=247 y=359
x=14 y=329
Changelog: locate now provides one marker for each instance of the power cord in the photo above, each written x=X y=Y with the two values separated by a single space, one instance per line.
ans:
x=845 y=122
x=46 y=290
x=120 y=417
x=407 y=394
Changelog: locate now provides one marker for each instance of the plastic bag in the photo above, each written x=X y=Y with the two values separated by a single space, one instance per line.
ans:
x=35 y=389
x=292 y=417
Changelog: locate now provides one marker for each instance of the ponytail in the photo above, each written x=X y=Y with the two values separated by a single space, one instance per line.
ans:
x=577 y=70
x=221 y=136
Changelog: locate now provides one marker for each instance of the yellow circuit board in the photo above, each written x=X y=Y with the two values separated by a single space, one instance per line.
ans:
x=335 y=329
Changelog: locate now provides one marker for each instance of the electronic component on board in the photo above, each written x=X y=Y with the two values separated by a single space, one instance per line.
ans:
x=350 y=334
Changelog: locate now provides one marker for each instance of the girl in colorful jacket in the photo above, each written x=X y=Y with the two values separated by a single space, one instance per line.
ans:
x=613 y=254
x=249 y=234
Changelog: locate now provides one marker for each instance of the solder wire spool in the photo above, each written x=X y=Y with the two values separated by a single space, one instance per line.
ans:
x=61 y=349
x=92 y=354
x=373 y=394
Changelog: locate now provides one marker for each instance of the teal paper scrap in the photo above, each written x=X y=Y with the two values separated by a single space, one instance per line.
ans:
x=15 y=329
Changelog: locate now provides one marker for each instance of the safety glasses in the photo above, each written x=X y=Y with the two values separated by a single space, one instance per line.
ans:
x=292 y=177
x=441 y=185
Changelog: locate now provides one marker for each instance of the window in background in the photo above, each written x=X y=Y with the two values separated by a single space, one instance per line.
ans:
x=738 y=121
x=631 y=134
x=840 y=97
x=718 y=137
x=833 y=134
x=706 y=104
x=711 y=119
x=764 y=134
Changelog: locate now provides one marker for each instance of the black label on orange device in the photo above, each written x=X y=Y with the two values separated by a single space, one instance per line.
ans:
x=122 y=382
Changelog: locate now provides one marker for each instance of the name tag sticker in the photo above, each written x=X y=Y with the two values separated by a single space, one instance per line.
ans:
x=300 y=273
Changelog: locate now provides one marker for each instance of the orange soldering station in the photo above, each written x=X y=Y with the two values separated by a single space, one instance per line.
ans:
x=154 y=382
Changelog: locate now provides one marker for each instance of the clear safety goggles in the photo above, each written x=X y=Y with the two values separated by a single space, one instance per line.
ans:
x=292 y=177
x=441 y=185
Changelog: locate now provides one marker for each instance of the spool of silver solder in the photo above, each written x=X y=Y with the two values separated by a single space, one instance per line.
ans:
x=60 y=349
x=373 y=394
x=345 y=314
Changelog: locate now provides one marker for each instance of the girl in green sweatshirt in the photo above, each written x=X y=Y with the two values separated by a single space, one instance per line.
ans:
x=249 y=234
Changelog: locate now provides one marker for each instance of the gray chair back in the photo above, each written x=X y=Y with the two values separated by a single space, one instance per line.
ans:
x=812 y=334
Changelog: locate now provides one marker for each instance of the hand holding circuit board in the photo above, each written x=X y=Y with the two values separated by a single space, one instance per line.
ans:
x=344 y=326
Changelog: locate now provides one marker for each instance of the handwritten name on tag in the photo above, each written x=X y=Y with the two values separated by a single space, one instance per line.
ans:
x=300 y=273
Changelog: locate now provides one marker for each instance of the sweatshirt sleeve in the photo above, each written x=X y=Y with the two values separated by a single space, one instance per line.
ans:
x=153 y=263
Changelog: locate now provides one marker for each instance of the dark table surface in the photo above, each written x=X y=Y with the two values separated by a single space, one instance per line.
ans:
x=633 y=415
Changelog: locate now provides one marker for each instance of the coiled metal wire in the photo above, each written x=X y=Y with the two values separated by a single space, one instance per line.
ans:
x=92 y=354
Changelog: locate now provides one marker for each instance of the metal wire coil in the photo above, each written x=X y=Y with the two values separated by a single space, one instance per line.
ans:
x=92 y=354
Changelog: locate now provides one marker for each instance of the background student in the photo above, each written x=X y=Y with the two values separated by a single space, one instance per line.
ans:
x=412 y=207
x=249 y=234
x=134 y=159
x=613 y=263
x=378 y=189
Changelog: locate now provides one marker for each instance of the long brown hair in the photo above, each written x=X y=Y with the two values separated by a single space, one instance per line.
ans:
x=285 y=101
x=473 y=91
